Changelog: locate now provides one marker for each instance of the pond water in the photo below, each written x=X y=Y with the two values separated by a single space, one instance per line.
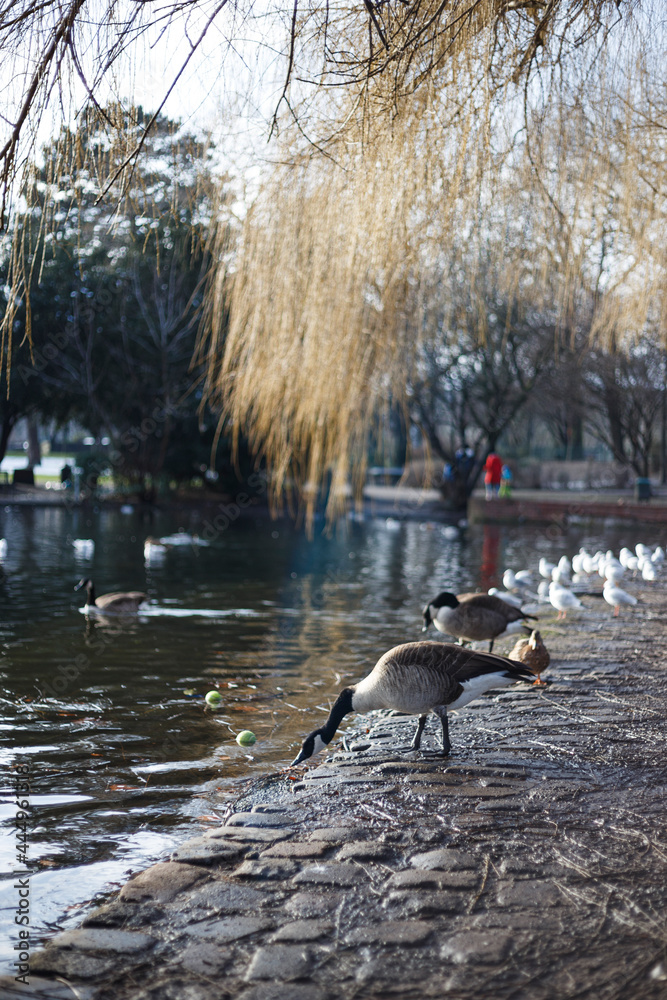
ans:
x=108 y=715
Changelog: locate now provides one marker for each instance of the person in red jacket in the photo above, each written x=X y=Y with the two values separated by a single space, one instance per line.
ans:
x=493 y=470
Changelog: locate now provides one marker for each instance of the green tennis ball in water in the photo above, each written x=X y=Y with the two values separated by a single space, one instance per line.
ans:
x=213 y=699
x=246 y=738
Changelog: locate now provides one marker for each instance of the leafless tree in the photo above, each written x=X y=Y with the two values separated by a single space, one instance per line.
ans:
x=405 y=135
x=475 y=378
x=625 y=396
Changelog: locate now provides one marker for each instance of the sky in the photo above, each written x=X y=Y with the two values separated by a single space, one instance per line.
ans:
x=228 y=89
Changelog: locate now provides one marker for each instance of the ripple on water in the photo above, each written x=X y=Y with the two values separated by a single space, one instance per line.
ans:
x=126 y=759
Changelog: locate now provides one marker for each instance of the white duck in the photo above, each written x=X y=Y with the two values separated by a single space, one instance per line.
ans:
x=560 y=577
x=565 y=566
x=589 y=565
x=546 y=568
x=84 y=548
x=505 y=595
x=613 y=571
x=615 y=597
x=516 y=581
x=578 y=563
x=624 y=556
x=562 y=599
x=154 y=551
x=649 y=571
x=182 y=538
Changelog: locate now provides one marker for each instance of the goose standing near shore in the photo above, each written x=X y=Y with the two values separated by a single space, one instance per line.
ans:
x=418 y=678
x=472 y=617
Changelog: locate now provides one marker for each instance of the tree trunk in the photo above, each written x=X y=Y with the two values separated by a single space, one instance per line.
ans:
x=34 y=453
x=7 y=428
x=575 y=434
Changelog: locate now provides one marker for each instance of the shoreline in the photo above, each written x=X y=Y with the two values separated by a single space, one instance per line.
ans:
x=558 y=508
x=565 y=508
x=529 y=863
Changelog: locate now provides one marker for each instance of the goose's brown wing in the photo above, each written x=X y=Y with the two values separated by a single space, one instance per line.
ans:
x=120 y=599
x=489 y=602
x=477 y=663
x=438 y=666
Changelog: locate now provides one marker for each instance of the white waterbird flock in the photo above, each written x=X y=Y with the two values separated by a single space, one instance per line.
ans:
x=563 y=583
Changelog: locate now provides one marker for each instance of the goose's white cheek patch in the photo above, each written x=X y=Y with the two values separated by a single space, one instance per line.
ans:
x=319 y=745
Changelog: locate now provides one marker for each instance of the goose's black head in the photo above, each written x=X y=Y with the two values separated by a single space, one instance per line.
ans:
x=316 y=741
x=443 y=600
x=313 y=744
x=90 y=590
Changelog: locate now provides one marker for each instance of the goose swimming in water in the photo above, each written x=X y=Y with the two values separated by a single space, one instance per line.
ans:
x=472 y=617
x=417 y=678
x=116 y=603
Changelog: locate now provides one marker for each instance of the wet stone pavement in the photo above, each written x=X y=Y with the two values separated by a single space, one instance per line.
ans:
x=531 y=863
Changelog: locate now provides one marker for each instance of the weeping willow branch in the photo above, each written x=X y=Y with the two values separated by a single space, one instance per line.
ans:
x=458 y=135
x=348 y=266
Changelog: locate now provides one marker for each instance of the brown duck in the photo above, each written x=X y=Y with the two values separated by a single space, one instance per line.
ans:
x=533 y=654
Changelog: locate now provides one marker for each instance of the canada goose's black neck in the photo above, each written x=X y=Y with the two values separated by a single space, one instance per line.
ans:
x=90 y=590
x=341 y=707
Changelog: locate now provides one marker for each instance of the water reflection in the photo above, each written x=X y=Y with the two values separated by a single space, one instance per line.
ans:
x=125 y=760
x=490 y=571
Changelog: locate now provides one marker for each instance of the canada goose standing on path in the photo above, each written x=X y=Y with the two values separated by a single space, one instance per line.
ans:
x=116 y=603
x=417 y=678
x=473 y=617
